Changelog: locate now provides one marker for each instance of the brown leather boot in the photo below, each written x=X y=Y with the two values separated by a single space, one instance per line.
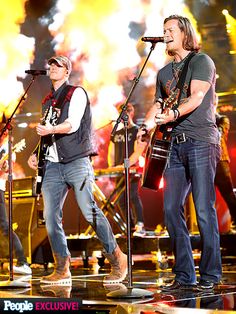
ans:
x=118 y=261
x=61 y=274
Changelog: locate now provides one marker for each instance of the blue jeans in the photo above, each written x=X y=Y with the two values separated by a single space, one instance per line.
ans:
x=58 y=178
x=193 y=163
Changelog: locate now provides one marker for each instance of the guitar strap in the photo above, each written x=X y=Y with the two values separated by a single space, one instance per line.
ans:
x=179 y=86
x=65 y=95
x=181 y=80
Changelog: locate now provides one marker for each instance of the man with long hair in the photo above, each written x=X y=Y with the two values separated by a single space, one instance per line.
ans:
x=194 y=154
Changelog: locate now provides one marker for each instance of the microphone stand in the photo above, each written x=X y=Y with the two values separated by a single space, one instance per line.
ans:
x=129 y=291
x=11 y=283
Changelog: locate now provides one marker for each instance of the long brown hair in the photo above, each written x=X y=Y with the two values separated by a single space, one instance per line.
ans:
x=190 y=41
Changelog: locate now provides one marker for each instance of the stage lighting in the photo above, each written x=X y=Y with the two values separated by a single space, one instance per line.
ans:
x=225 y=12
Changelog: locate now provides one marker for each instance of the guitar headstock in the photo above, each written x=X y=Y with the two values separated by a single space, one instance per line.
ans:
x=18 y=147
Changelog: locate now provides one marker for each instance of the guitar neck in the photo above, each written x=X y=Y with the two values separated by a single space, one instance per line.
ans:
x=16 y=149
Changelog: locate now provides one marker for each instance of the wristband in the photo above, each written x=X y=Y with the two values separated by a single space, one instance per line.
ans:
x=176 y=114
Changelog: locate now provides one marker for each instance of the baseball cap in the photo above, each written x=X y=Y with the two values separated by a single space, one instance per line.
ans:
x=62 y=61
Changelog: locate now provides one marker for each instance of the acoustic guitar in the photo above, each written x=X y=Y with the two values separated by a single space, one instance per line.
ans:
x=159 y=148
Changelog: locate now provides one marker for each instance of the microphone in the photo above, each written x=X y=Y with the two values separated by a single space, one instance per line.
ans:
x=153 y=39
x=36 y=72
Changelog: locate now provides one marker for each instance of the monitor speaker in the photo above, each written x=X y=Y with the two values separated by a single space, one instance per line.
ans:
x=28 y=223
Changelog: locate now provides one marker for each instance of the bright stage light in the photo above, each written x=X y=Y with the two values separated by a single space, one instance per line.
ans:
x=225 y=12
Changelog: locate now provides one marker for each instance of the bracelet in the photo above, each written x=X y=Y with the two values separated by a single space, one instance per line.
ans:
x=160 y=100
x=176 y=114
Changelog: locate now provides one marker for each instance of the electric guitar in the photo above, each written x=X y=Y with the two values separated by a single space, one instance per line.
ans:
x=42 y=147
x=158 y=150
x=18 y=147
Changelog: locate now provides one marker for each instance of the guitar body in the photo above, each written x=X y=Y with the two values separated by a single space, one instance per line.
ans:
x=156 y=158
x=159 y=148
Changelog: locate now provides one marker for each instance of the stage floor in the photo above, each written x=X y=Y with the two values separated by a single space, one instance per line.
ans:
x=147 y=276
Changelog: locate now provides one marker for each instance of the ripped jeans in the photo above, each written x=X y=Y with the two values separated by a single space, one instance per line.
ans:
x=58 y=178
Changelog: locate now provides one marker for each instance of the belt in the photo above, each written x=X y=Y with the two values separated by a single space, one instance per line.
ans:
x=180 y=138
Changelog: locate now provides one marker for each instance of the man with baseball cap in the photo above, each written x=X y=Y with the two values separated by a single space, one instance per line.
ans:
x=61 y=61
x=67 y=136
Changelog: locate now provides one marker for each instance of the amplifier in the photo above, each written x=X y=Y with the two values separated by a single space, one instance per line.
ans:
x=28 y=223
x=23 y=187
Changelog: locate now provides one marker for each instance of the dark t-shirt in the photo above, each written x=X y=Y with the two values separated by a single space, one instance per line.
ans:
x=200 y=123
x=119 y=142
